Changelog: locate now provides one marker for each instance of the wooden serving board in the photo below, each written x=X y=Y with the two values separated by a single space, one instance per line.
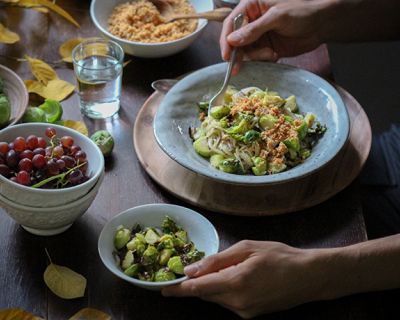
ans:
x=247 y=200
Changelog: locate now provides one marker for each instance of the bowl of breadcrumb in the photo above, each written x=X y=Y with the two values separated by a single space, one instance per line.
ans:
x=141 y=30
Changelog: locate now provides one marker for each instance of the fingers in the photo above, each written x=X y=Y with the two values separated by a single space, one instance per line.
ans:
x=208 y=285
x=231 y=256
x=264 y=53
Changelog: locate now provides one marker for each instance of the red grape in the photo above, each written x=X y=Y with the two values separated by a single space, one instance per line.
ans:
x=69 y=161
x=5 y=170
x=19 y=144
x=42 y=143
x=26 y=154
x=12 y=158
x=23 y=178
x=67 y=141
x=58 y=151
x=61 y=164
x=52 y=167
x=39 y=151
x=25 y=165
x=50 y=132
x=49 y=151
x=32 y=141
x=11 y=146
x=75 y=177
x=3 y=147
x=80 y=156
x=39 y=161
x=74 y=149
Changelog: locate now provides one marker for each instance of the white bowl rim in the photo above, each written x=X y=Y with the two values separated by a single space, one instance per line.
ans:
x=55 y=191
x=71 y=204
x=162 y=284
x=142 y=44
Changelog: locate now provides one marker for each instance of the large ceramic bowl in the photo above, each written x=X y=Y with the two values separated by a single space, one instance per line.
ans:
x=199 y=229
x=178 y=112
x=16 y=92
x=51 y=197
x=100 y=11
x=51 y=220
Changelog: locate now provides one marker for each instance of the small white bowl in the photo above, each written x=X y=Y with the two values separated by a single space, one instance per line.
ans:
x=100 y=11
x=36 y=197
x=199 y=229
x=52 y=220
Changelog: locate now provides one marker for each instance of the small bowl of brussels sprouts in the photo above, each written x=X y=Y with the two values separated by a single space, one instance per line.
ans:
x=150 y=245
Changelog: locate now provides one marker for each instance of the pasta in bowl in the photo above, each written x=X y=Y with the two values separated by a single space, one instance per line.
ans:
x=255 y=131
x=177 y=125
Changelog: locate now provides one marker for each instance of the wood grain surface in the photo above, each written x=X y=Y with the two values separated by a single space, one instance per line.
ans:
x=336 y=222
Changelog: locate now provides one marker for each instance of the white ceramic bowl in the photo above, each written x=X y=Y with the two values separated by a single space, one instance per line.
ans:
x=100 y=11
x=199 y=229
x=52 y=220
x=33 y=197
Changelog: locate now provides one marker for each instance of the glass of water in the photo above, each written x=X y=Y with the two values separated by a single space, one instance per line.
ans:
x=98 y=65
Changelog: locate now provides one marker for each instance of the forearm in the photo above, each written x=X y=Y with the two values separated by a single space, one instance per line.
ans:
x=359 y=20
x=369 y=266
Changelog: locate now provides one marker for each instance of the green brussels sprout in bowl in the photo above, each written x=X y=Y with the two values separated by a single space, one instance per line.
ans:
x=150 y=245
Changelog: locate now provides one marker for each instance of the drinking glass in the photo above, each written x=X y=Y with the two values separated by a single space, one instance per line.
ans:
x=98 y=65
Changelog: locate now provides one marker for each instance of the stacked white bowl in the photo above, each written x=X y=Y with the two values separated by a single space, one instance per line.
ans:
x=50 y=211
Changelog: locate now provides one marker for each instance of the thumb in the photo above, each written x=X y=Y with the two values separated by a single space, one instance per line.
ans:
x=231 y=256
x=250 y=32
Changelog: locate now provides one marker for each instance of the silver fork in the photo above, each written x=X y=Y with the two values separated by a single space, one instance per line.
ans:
x=218 y=99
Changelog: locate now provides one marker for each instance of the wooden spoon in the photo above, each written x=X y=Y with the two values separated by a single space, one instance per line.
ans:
x=169 y=15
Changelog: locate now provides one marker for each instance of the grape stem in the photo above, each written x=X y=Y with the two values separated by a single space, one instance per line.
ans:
x=58 y=176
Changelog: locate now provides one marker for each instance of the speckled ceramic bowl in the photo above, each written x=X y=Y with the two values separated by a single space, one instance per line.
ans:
x=16 y=92
x=100 y=11
x=178 y=111
x=52 y=220
x=199 y=229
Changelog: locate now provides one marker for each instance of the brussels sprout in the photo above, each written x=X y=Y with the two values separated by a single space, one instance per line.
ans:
x=175 y=265
x=52 y=109
x=169 y=225
x=289 y=119
x=224 y=122
x=164 y=275
x=230 y=91
x=194 y=256
x=5 y=110
x=302 y=130
x=151 y=236
x=291 y=104
x=276 y=167
x=34 y=114
x=166 y=241
x=242 y=127
x=267 y=122
x=146 y=276
x=133 y=270
x=216 y=159
x=137 y=244
x=182 y=235
x=104 y=141
x=309 y=119
x=219 y=111
x=121 y=238
x=260 y=166
x=203 y=106
x=128 y=260
x=250 y=136
x=165 y=254
x=293 y=143
x=230 y=165
x=150 y=255
x=201 y=147
x=273 y=100
x=305 y=153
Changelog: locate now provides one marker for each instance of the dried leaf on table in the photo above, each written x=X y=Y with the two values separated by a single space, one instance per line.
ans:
x=41 y=70
x=17 y=314
x=7 y=36
x=56 y=89
x=64 y=282
x=41 y=9
x=9 y=1
x=76 y=125
x=50 y=5
x=90 y=314
x=66 y=48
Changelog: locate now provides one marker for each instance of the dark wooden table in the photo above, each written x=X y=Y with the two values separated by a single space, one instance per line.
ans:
x=337 y=222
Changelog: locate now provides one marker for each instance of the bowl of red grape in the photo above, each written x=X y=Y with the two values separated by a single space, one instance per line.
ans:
x=44 y=165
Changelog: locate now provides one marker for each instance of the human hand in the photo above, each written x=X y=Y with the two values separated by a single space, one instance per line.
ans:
x=275 y=29
x=252 y=278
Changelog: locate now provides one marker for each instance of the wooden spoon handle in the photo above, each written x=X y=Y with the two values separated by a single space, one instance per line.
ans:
x=214 y=15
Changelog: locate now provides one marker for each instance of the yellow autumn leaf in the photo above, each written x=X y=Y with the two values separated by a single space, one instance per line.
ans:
x=66 y=48
x=76 y=125
x=56 y=89
x=50 y=5
x=9 y=1
x=64 y=282
x=41 y=70
x=17 y=314
x=41 y=9
x=7 y=36
x=90 y=314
